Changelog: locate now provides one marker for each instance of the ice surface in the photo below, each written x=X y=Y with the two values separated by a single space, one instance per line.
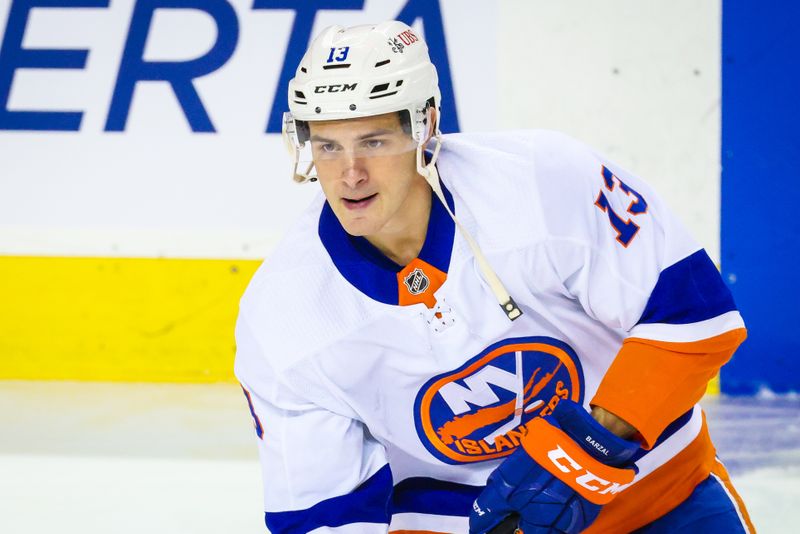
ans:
x=758 y=440
x=83 y=458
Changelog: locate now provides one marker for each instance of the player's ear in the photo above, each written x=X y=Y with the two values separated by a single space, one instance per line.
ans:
x=430 y=125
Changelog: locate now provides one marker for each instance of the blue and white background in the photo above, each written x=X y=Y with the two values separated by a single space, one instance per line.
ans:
x=149 y=127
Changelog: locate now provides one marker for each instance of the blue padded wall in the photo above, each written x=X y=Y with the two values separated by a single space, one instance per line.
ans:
x=761 y=189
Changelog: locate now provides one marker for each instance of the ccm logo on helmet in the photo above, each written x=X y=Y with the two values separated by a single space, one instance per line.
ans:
x=335 y=88
x=480 y=411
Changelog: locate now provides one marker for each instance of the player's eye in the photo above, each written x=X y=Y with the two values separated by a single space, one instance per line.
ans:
x=373 y=143
x=326 y=147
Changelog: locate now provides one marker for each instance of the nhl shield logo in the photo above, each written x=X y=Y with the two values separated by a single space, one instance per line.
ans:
x=416 y=282
x=480 y=411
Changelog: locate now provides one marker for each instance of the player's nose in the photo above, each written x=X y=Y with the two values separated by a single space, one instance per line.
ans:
x=354 y=173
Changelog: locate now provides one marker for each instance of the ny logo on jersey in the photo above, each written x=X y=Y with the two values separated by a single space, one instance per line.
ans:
x=480 y=411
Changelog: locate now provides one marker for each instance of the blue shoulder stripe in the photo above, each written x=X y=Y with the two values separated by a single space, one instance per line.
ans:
x=688 y=291
x=424 y=495
x=369 y=503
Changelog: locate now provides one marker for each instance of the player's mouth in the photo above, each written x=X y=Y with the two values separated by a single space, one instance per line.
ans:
x=358 y=203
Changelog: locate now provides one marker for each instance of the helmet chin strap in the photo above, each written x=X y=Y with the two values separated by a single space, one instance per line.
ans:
x=431 y=174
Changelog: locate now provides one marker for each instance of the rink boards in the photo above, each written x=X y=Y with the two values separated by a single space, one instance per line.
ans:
x=132 y=215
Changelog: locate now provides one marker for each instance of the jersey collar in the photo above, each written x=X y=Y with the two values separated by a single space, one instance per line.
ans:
x=378 y=277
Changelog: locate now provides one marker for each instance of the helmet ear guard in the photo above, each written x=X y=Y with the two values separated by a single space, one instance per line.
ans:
x=426 y=121
x=426 y=128
x=295 y=135
x=303 y=131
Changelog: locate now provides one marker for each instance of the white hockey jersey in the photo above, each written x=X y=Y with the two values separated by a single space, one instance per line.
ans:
x=384 y=395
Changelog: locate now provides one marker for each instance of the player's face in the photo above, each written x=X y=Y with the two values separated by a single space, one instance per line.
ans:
x=367 y=169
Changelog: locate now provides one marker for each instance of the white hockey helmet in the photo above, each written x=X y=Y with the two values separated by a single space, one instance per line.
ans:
x=360 y=72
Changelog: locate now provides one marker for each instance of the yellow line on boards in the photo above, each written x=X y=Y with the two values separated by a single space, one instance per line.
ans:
x=119 y=319
x=713 y=386
x=123 y=319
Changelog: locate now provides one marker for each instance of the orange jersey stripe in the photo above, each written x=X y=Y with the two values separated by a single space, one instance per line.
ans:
x=660 y=491
x=722 y=475
x=667 y=487
x=651 y=383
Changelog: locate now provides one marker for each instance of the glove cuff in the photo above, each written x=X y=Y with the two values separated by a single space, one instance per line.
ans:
x=595 y=439
x=563 y=458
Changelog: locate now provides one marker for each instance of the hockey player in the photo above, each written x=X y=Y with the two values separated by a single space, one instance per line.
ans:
x=465 y=331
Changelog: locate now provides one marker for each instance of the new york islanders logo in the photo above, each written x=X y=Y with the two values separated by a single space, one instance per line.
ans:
x=479 y=411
